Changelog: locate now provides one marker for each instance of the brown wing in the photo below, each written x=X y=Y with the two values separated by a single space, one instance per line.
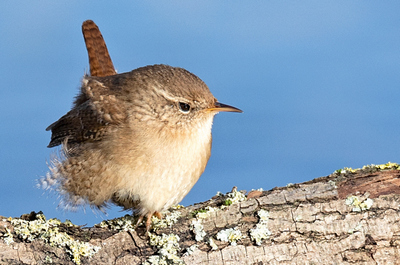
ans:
x=99 y=58
x=95 y=108
x=78 y=125
x=89 y=120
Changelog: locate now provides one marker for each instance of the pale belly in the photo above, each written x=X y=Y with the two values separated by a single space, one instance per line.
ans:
x=164 y=178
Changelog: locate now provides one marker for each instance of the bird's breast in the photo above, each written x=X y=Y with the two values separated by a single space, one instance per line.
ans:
x=166 y=167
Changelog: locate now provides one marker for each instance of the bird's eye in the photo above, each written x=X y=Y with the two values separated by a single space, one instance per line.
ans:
x=185 y=108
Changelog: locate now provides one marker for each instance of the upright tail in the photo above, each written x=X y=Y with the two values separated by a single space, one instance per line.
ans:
x=99 y=59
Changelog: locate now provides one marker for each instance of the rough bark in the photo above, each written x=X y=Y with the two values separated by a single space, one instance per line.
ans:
x=316 y=222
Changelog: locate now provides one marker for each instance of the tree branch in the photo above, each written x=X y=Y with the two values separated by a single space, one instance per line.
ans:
x=350 y=216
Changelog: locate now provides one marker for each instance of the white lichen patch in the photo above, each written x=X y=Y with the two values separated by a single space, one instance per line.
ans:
x=48 y=260
x=333 y=184
x=197 y=229
x=261 y=231
x=231 y=235
x=260 y=189
x=387 y=166
x=359 y=204
x=190 y=250
x=49 y=232
x=8 y=237
x=234 y=197
x=169 y=219
x=81 y=249
x=219 y=194
x=355 y=229
x=31 y=230
x=212 y=244
x=128 y=222
x=125 y=223
x=204 y=213
x=168 y=247
x=177 y=207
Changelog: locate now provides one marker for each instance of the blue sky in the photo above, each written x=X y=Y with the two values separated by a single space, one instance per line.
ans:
x=318 y=81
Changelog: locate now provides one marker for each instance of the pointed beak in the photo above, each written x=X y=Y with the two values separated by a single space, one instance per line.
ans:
x=218 y=107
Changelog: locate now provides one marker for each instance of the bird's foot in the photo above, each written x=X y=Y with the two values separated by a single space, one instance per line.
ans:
x=148 y=219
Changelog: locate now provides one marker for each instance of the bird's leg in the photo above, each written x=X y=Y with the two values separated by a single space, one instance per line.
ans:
x=139 y=221
x=148 y=221
x=158 y=215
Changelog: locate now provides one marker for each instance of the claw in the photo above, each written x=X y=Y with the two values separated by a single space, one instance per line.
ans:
x=148 y=219
x=158 y=215
x=139 y=221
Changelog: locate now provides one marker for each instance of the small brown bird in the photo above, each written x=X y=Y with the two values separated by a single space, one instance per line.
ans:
x=140 y=139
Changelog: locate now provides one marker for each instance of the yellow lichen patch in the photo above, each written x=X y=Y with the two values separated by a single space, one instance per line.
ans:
x=234 y=197
x=168 y=247
x=177 y=207
x=125 y=223
x=231 y=235
x=204 y=213
x=359 y=204
x=81 y=249
x=48 y=260
x=48 y=230
x=169 y=219
x=387 y=166
x=8 y=237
